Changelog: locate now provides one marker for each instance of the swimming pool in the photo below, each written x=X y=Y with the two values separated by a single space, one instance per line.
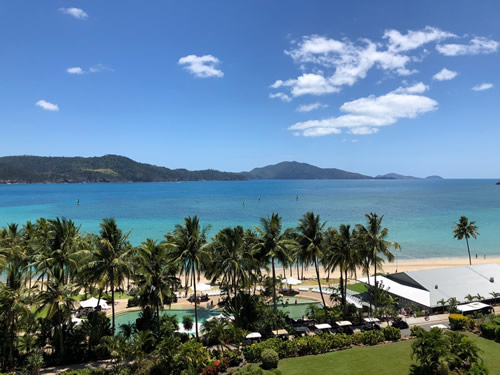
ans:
x=203 y=315
x=295 y=311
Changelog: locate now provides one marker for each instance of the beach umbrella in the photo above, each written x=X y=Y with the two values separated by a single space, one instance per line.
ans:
x=292 y=281
x=253 y=335
x=202 y=287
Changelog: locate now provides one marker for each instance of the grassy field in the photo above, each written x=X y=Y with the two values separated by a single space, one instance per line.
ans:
x=358 y=288
x=390 y=359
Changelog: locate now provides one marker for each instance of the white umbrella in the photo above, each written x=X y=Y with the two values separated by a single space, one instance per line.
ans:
x=76 y=320
x=253 y=335
x=92 y=302
x=201 y=287
x=192 y=330
x=292 y=281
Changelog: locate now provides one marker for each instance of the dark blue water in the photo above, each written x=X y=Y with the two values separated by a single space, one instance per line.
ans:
x=419 y=213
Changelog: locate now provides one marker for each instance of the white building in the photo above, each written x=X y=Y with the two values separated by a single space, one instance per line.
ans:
x=426 y=287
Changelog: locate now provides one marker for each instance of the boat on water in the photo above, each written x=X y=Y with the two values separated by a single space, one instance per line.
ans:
x=498 y=183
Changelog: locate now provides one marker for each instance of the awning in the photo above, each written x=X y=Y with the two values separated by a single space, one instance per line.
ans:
x=201 y=287
x=301 y=329
x=323 y=326
x=253 y=335
x=281 y=332
x=292 y=281
x=343 y=323
x=92 y=303
x=474 y=306
x=371 y=320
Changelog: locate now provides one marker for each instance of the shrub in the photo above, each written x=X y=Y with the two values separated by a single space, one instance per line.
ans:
x=416 y=331
x=249 y=370
x=269 y=359
x=187 y=322
x=215 y=368
x=341 y=340
x=458 y=322
x=391 y=333
x=372 y=337
x=252 y=353
x=233 y=357
x=488 y=330
x=357 y=338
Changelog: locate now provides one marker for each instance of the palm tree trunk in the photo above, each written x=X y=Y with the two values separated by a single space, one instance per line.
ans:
x=345 y=290
x=376 y=286
x=274 y=287
x=319 y=282
x=369 y=285
x=195 y=303
x=342 y=288
x=468 y=250
x=113 y=305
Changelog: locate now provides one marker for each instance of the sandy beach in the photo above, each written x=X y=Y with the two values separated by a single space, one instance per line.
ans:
x=310 y=274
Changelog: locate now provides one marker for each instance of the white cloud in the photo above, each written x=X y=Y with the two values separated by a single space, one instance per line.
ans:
x=482 y=87
x=75 y=70
x=312 y=84
x=366 y=115
x=74 y=12
x=98 y=68
x=417 y=88
x=201 y=66
x=310 y=107
x=414 y=39
x=284 y=97
x=47 y=106
x=477 y=45
x=444 y=75
x=327 y=65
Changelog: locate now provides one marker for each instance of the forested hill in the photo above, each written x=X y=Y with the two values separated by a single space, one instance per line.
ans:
x=292 y=170
x=115 y=168
x=108 y=168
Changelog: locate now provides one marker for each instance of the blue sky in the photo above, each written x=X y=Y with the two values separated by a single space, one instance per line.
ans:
x=370 y=87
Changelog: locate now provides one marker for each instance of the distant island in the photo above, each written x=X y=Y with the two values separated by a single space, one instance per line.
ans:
x=395 y=176
x=115 y=168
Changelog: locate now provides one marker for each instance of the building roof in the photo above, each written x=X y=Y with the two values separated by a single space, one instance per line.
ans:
x=445 y=283
x=474 y=306
x=417 y=295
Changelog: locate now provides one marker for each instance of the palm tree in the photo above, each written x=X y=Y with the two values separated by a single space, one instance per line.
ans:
x=443 y=303
x=232 y=259
x=155 y=277
x=60 y=300
x=65 y=242
x=189 y=251
x=374 y=239
x=273 y=244
x=110 y=259
x=310 y=243
x=470 y=297
x=495 y=295
x=14 y=310
x=343 y=254
x=464 y=229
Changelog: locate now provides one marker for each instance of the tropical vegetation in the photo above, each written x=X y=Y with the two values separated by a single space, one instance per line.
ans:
x=51 y=264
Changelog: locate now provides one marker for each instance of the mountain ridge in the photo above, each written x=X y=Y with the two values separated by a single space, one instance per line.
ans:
x=27 y=169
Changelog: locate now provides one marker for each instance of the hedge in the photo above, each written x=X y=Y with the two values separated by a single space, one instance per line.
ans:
x=319 y=344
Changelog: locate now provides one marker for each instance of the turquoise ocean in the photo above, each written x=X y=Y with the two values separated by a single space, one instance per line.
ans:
x=420 y=214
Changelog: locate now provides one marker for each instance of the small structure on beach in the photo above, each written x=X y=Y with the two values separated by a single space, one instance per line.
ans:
x=426 y=288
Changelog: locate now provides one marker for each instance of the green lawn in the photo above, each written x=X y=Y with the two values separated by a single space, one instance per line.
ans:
x=390 y=359
x=358 y=288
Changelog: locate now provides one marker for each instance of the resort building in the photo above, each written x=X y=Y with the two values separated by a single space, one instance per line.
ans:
x=423 y=289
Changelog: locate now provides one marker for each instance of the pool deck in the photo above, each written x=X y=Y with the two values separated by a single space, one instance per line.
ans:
x=183 y=303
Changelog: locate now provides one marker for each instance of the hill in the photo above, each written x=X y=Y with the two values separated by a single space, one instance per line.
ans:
x=108 y=168
x=292 y=170
x=395 y=176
